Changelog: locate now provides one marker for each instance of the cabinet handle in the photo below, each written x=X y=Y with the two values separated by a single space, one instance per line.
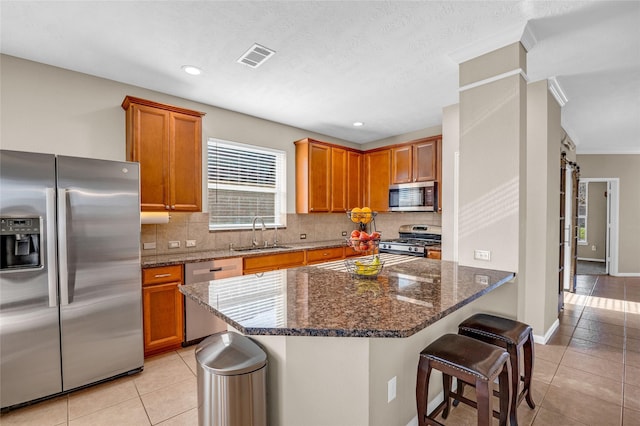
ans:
x=162 y=275
x=166 y=207
x=173 y=207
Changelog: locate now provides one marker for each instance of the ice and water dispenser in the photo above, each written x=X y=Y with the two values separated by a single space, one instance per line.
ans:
x=20 y=238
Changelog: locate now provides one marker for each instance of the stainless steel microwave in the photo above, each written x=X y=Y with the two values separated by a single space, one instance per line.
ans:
x=413 y=197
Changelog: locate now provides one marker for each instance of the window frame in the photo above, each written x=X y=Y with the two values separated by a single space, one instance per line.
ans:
x=582 y=240
x=280 y=191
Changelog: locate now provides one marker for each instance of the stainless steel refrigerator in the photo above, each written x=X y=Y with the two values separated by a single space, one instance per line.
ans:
x=70 y=292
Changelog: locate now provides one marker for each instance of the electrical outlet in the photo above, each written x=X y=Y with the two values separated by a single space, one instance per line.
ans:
x=482 y=254
x=174 y=244
x=391 y=389
x=149 y=246
x=344 y=233
x=303 y=236
x=482 y=279
x=593 y=248
x=191 y=243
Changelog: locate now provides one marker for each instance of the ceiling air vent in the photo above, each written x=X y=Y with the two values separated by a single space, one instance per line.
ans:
x=256 y=56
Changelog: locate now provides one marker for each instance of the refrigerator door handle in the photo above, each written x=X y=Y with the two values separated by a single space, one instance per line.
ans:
x=52 y=268
x=62 y=247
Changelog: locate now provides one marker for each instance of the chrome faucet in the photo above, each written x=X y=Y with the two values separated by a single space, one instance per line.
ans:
x=254 y=242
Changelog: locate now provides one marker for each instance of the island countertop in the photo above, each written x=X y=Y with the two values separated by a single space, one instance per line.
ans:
x=320 y=301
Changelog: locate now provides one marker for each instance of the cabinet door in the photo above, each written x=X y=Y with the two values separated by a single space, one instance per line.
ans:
x=319 y=178
x=271 y=262
x=150 y=128
x=424 y=161
x=338 y=180
x=186 y=162
x=163 y=317
x=402 y=165
x=377 y=177
x=354 y=180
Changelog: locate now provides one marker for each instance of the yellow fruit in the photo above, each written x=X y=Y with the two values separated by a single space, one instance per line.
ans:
x=365 y=216
x=355 y=214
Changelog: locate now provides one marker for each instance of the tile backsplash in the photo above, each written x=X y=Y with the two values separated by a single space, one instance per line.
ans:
x=317 y=227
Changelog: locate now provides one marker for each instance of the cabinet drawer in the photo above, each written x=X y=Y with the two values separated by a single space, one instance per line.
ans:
x=324 y=255
x=273 y=261
x=162 y=274
x=434 y=254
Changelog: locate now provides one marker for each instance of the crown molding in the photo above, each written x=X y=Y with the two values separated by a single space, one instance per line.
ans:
x=556 y=91
x=504 y=38
x=528 y=38
x=518 y=71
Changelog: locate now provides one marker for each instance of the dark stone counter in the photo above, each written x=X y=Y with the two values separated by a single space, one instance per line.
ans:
x=318 y=301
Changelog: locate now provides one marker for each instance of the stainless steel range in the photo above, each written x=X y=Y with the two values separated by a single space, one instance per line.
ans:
x=415 y=240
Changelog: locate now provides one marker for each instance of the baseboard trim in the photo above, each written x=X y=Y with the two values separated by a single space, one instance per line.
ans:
x=626 y=274
x=543 y=339
x=588 y=259
x=433 y=404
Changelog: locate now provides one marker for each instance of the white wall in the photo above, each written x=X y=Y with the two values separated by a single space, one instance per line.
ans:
x=52 y=110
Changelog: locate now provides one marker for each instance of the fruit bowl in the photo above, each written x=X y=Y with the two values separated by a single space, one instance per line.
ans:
x=364 y=268
x=363 y=245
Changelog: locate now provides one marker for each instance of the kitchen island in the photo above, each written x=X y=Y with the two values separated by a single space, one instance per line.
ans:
x=344 y=350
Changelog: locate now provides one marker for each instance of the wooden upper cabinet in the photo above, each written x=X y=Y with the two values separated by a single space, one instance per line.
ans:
x=327 y=177
x=167 y=142
x=338 y=188
x=402 y=164
x=354 y=179
x=377 y=175
x=415 y=162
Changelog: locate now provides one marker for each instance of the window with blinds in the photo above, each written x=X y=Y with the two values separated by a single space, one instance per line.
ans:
x=245 y=181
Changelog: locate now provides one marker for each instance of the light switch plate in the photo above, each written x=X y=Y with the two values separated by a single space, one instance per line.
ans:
x=482 y=254
x=191 y=243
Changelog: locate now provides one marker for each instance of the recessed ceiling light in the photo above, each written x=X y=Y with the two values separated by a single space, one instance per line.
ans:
x=190 y=69
x=358 y=124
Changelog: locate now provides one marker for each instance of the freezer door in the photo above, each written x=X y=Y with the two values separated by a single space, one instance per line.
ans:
x=100 y=288
x=29 y=331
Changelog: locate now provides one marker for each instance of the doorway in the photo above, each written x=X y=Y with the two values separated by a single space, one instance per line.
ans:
x=597 y=226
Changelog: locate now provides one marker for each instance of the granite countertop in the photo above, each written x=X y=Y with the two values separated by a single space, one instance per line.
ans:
x=318 y=301
x=202 y=256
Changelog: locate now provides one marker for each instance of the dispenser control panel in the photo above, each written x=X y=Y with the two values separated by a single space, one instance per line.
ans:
x=23 y=225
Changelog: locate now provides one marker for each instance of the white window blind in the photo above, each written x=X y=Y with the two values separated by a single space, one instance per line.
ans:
x=245 y=181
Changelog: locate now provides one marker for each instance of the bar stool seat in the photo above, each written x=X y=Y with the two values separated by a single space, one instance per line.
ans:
x=516 y=337
x=469 y=360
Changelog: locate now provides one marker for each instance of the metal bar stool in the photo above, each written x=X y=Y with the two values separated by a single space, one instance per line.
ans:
x=516 y=337
x=470 y=360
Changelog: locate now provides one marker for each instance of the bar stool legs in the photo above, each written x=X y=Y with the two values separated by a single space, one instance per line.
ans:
x=517 y=338
x=468 y=360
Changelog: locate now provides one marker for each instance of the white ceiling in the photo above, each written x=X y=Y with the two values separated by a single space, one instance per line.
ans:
x=391 y=64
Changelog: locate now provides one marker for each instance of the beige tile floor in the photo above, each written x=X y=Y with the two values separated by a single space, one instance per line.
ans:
x=587 y=374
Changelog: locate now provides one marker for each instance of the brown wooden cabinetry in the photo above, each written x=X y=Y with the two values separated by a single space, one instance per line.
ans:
x=415 y=162
x=377 y=170
x=167 y=142
x=324 y=255
x=163 y=314
x=270 y=262
x=328 y=177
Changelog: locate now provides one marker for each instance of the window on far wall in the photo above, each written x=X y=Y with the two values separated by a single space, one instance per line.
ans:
x=245 y=181
x=583 y=193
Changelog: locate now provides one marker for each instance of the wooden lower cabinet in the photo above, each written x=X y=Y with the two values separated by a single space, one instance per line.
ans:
x=324 y=255
x=163 y=309
x=271 y=262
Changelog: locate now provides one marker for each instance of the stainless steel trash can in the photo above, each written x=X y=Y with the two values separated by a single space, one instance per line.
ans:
x=231 y=381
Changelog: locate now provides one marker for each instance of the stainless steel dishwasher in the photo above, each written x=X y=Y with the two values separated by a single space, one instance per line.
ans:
x=199 y=322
